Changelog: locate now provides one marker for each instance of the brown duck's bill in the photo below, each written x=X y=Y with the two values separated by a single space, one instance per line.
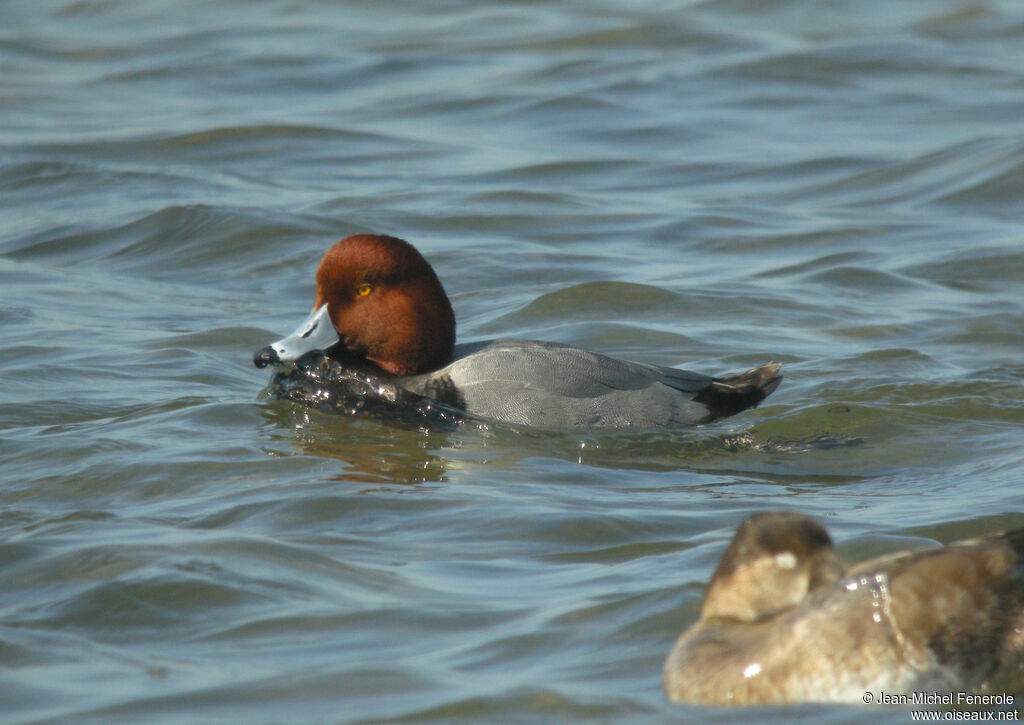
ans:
x=315 y=333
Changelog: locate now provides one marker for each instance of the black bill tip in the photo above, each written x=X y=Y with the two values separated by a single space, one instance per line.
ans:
x=266 y=356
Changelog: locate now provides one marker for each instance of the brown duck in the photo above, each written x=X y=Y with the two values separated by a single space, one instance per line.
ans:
x=783 y=620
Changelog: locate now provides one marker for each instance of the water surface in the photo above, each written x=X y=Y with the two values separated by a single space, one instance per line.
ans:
x=836 y=186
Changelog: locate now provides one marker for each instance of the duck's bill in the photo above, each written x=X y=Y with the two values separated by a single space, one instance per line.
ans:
x=315 y=333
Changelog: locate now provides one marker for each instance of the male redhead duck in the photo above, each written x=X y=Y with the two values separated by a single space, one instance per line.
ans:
x=784 y=621
x=378 y=301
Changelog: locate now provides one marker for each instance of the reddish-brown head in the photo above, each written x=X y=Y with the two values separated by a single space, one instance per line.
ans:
x=386 y=303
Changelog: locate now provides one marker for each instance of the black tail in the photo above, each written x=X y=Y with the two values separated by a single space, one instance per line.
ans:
x=730 y=394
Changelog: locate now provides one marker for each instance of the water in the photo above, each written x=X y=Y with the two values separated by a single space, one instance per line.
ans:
x=837 y=186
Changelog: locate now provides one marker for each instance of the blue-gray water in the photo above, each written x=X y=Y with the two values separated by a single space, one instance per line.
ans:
x=838 y=186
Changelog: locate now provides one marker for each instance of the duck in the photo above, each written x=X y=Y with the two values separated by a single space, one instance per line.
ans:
x=380 y=310
x=783 y=620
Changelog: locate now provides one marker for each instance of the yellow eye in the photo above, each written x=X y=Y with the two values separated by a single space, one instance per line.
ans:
x=364 y=289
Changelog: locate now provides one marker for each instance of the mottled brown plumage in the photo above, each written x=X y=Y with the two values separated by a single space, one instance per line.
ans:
x=784 y=621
